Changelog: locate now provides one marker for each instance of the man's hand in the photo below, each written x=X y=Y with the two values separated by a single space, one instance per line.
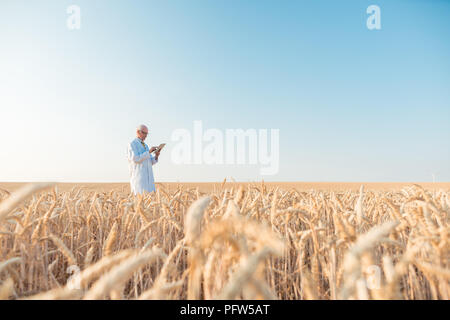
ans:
x=158 y=150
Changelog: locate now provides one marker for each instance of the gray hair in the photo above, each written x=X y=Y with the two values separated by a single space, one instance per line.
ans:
x=141 y=126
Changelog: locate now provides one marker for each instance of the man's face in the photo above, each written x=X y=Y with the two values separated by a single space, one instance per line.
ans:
x=142 y=133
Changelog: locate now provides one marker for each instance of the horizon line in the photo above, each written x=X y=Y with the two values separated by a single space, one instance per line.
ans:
x=227 y=181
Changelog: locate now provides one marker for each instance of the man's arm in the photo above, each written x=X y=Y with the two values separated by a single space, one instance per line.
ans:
x=134 y=156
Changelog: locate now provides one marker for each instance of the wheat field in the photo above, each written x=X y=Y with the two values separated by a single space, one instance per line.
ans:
x=227 y=241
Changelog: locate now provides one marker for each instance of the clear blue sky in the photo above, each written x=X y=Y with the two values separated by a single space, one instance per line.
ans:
x=351 y=104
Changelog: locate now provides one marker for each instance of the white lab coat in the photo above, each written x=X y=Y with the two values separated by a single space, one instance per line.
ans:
x=140 y=163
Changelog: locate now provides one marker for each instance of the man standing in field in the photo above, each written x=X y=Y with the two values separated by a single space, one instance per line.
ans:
x=140 y=161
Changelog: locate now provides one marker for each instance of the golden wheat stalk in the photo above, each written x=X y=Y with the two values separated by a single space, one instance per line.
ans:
x=19 y=196
x=120 y=273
